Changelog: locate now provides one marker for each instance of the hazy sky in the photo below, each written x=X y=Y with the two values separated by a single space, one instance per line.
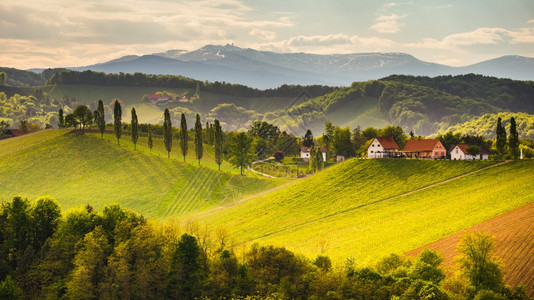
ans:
x=53 y=33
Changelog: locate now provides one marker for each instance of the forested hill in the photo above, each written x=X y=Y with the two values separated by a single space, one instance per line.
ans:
x=175 y=81
x=16 y=77
x=420 y=104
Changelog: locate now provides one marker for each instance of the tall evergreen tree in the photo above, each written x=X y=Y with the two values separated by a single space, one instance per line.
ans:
x=307 y=140
x=500 y=142
x=312 y=159
x=135 y=128
x=117 y=120
x=198 y=139
x=240 y=151
x=218 y=142
x=61 y=118
x=513 y=139
x=318 y=159
x=167 y=132
x=150 y=141
x=100 y=118
x=212 y=135
x=184 y=137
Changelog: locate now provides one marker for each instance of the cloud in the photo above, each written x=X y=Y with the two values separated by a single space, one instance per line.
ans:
x=263 y=34
x=479 y=36
x=393 y=4
x=388 y=24
x=328 y=44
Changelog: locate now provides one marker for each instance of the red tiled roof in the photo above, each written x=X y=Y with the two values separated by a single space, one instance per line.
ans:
x=306 y=149
x=388 y=143
x=421 y=145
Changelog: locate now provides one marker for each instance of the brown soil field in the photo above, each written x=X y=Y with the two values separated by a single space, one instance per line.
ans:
x=514 y=237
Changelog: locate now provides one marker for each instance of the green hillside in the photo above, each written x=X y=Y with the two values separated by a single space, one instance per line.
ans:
x=486 y=124
x=350 y=210
x=78 y=170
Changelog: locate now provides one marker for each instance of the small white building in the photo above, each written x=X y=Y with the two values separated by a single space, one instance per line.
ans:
x=382 y=147
x=459 y=152
x=305 y=153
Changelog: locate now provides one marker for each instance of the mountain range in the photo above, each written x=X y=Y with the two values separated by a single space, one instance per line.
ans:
x=265 y=69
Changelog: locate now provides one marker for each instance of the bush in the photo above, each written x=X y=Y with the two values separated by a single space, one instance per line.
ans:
x=278 y=155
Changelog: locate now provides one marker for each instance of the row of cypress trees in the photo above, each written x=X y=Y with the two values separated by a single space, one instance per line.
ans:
x=216 y=134
x=512 y=140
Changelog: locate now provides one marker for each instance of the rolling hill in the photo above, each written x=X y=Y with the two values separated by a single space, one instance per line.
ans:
x=366 y=209
x=80 y=170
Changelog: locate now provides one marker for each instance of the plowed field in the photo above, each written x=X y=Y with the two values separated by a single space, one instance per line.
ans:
x=514 y=236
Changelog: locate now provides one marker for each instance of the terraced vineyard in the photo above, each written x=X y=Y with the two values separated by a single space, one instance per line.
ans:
x=367 y=209
x=80 y=170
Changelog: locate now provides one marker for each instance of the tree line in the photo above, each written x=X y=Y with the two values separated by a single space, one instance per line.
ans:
x=175 y=81
x=117 y=254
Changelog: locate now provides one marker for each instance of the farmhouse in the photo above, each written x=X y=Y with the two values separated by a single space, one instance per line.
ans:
x=431 y=148
x=459 y=152
x=305 y=153
x=382 y=147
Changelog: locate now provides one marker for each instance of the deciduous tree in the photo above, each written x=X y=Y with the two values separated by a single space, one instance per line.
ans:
x=83 y=115
x=187 y=275
x=240 y=151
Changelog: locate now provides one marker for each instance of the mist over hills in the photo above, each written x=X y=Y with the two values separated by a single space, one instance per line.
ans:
x=265 y=69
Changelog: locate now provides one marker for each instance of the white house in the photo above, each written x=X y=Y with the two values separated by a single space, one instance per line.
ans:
x=382 y=147
x=459 y=152
x=305 y=153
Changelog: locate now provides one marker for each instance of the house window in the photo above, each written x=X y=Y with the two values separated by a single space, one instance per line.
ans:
x=456 y=150
x=371 y=151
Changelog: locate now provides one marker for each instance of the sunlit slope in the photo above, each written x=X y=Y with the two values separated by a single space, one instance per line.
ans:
x=350 y=210
x=79 y=170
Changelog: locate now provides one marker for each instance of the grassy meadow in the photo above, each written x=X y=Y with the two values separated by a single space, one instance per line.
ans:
x=80 y=170
x=350 y=210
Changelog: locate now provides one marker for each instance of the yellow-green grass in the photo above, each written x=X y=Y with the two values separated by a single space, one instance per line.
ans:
x=80 y=170
x=405 y=223
x=324 y=209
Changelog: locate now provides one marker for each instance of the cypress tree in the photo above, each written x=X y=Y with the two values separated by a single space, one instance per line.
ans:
x=318 y=159
x=513 y=139
x=100 y=118
x=312 y=159
x=184 y=137
x=212 y=135
x=150 y=142
x=117 y=121
x=61 y=118
x=218 y=143
x=500 y=142
x=198 y=139
x=135 y=128
x=167 y=131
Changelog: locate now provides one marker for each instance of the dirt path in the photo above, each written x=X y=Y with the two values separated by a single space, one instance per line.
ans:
x=340 y=213
x=513 y=232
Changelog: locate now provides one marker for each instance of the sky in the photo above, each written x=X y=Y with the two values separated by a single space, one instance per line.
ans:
x=69 y=33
